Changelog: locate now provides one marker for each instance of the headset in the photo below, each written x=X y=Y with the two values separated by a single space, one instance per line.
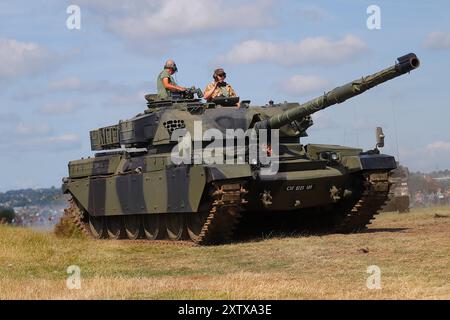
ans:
x=215 y=77
x=173 y=67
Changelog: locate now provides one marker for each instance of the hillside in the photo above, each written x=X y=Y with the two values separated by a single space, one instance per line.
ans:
x=27 y=197
x=39 y=208
x=412 y=251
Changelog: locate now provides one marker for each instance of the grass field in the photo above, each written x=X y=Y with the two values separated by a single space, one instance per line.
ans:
x=412 y=251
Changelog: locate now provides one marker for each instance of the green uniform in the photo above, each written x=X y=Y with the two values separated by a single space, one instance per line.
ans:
x=164 y=93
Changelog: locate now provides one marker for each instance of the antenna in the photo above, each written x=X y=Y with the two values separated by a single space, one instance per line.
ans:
x=355 y=118
x=394 y=117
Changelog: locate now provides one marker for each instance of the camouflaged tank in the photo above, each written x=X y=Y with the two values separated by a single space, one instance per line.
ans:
x=399 y=197
x=133 y=189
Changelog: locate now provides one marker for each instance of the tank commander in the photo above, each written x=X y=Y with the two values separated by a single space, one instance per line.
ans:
x=165 y=83
x=218 y=88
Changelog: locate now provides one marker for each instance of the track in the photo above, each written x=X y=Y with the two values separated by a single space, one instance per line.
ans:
x=224 y=214
x=374 y=196
x=217 y=227
x=76 y=215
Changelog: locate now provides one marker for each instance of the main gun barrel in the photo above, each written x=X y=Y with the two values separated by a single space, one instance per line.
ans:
x=403 y=65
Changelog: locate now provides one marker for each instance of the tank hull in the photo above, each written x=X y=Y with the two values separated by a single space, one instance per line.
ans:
x=125 y=196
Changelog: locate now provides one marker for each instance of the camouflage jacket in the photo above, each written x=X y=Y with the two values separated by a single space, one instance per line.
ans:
x=225 y=91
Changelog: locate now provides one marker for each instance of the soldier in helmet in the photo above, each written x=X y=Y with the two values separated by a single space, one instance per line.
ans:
x=218 y=88
x=165 y=82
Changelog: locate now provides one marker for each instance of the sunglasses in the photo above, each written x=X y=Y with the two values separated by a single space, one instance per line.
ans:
x=222 y=75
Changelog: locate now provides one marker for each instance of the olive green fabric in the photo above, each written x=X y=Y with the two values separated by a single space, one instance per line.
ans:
x=225 y=92
x=163 y=93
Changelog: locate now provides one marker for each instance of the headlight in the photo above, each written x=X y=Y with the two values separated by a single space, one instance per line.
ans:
x=329 y=156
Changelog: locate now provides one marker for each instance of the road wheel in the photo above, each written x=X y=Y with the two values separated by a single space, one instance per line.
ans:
x=97 y=227
x=133 y=226
x=153 y=226
x=195 y=223
x=176 y=226
x=114 y=226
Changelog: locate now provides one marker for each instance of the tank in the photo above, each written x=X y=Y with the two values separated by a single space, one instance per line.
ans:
x=399 y=197
x=148 y=179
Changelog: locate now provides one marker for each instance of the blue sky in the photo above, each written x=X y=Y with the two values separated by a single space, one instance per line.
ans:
x=57 y=84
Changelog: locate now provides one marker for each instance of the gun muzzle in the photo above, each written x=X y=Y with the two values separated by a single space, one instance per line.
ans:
x=407 y=63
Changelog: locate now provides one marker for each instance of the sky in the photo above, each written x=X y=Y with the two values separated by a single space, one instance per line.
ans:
x=58 y=83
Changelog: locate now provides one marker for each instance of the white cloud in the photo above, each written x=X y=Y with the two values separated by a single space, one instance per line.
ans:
x=428 y=157
x=55 y=108
x=32 y=129
x=313 y=13
x=86 y=86
x=439 y=146
x=23 y=58
x=50 y=143
x=316 y=50
x=134 y=99
x=38 y=137
x=301 y=84
x=146 y=19
x=76 y=84
x=438 y=40
x=65 y=138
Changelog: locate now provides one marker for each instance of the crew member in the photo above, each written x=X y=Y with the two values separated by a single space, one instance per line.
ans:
x=165 y=83
x=218 y=88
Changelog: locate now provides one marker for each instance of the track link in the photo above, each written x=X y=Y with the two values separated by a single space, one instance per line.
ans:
x=74 y=213
x=224 y=214
x=373 y=198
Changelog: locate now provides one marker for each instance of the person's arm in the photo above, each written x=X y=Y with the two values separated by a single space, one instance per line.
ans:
x=209 y=91
x=171 y=87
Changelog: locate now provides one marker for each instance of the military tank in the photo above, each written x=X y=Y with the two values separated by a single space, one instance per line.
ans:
x=399 y=197
x=132 y=188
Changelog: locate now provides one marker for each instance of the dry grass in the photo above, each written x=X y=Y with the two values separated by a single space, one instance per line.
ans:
x=412 y=251
x=67 y=228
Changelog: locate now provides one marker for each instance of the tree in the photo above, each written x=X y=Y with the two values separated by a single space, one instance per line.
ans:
x=7 y=215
